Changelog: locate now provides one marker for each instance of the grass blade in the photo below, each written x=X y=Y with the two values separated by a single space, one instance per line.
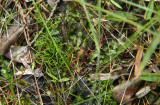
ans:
x=148 y=13
x=150 y=50
x=153 y=77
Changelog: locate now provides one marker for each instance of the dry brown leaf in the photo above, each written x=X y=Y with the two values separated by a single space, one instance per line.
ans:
x=28 y=71
x=137 y=71
x=112 y=75
x=95 y=21
x=28 y=0
x=126 y=88
x=8 y=39
x=20 y=54
x=52 y=3
x=145 y=90
x=142 y=92
x=102 y=76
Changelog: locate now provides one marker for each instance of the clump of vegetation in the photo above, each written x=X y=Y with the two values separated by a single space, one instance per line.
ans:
x=81 y=52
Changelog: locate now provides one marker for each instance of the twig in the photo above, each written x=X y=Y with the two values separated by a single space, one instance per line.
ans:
x=23 y=19
x=62 y=87
x=4 y=96
x=126 y=86
x=18 y=95
x=40 y=98
x=30 y=9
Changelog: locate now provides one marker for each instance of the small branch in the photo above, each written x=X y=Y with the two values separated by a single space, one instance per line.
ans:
x=23 y=19
x=40 y=98
x=31 y=9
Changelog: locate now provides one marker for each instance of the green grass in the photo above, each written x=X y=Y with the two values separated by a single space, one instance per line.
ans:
x=95 y=35
x=88 y=48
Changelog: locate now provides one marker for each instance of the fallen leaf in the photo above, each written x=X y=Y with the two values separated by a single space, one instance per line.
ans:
x=138 y=61
x=20 y=54
x=8 y=39
x=52 y=3
x=28 y=71
x=28 y=0
x=142 y=92
x=126 y=88
x=105 y=76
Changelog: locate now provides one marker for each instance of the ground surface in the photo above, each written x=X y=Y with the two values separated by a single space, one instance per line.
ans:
x=62 y=52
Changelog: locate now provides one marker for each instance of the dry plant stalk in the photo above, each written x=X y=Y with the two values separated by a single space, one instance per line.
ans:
x=31 y=9
x=137 y=71
x=23 y=19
